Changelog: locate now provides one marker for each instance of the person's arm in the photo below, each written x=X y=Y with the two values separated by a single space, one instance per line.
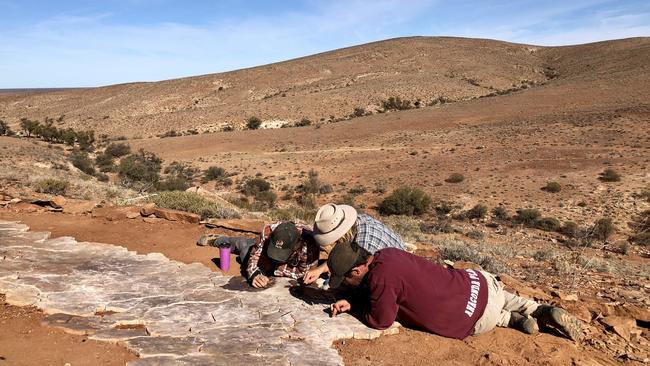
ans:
x=314 y=273
x=382 y=311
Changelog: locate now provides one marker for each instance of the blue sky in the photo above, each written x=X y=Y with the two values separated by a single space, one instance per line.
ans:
x=70 y=43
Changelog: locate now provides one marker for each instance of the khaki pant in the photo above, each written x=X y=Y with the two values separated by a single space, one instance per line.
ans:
x=500 y=304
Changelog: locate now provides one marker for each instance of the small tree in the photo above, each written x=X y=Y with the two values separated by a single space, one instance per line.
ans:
x=117 y=150
x=405 y=201
x=4 y=129
x=82 y=162
x=141 y=167
x=253 y=123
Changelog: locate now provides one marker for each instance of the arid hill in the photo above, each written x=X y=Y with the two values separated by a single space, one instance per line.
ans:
x=329 y=86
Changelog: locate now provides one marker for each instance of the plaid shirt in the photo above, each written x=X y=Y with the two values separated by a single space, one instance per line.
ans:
x=372 y=235
x=299 y=262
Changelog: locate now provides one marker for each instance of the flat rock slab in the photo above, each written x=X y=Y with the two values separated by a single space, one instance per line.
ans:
x=166 y=312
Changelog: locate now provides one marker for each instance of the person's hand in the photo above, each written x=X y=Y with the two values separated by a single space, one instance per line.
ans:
x=260 y=281
x=340 y=306
x=312 y=275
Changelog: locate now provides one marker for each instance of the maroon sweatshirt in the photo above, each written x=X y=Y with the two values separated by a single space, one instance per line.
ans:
x=424 y=295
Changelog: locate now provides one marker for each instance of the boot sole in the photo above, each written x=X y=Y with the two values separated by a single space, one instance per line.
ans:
x=567 y=324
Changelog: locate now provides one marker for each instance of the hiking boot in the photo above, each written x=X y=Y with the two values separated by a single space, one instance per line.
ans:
x=210 y=240
x=559 y=319
x=523 y=323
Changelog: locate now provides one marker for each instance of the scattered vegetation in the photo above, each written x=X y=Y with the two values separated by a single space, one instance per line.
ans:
x=610 y=175
x=303 y=122
x=500 y=213
x=405 y=201
x=396 y=104
x=5 y=130
x=192 y=202
x=548 y=224
x=570 y=229
x=481 y=254
x=603 y=229
x=49 y=133
x=359 y=112
x=214 y=173
x=477 y=212
x=527 y=216
x=81 y=161
x=260 y=189
x=52 y=186
x=552 y=187
x=142 y=167
x=253 y=123
x=455 y=178
x=641 y=226
x=117 y=150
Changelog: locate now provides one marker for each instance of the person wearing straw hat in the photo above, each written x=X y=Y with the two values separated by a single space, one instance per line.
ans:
x=395 y=285
x=336 y=224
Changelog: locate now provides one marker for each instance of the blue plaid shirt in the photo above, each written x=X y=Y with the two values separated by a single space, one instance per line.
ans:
x=372 y=235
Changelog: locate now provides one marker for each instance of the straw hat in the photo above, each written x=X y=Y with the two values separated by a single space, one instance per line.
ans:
x=332 y=222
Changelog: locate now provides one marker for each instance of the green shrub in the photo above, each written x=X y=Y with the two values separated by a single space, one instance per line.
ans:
x=117 y=150
x=254 y=186
x=81 y=161
x=570 y=229
x=52 y=186
x=101 y=177
x=603 y=229
x=405 y=201
x=527 y=216
x=105 y=162
x=86 y=139
x=265 y=200
x=455 y=178
x=181 y=170
x=641 y=226
x=5 y=130
x=444 y=208
x=396 y=103
x=141 y=167
x=174 y=183
x=303 y=122
x=192 y=202
x=253 y=123
x=477 y=212
x=500 y=213
x=358 y=112
x=547 y=224
x=214 y=173
x=552 y=187
x=609 y=175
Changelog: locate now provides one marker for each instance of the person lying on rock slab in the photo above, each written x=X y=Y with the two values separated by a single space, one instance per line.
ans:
x=392 y=284
x=283 y=249
x=341 y=224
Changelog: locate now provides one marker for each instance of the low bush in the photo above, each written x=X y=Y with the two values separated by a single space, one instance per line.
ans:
x=455 y=250
x=265 y=200
x=641 y=226
x=477 y=212
x=81 y=161
x=548 y=224
x=527 y=216
x=5 y=130
x=173 y=183
x=603 y=229
x=214 y=173
x=181 y=170
x=254 y=186
x=253 y=123
x=358 y=112
x=552 y=187
x=105 y=162
x=396 y=104
x=303 y=122
x=101 y=177
x=455 y=178
x=52 y=186
x=194 y=203
x=500 y=213
x=609 y=175
x=570 y=229
x=405 y=201
x=293 y=213
x=117 y=150
x=141 y=167
x=444 y=208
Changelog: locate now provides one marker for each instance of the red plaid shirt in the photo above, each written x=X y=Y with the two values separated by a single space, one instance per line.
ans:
x=300 y=260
